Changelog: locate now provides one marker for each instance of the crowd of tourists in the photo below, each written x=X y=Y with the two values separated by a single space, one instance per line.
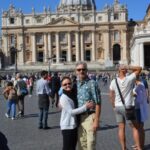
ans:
x=79 y=98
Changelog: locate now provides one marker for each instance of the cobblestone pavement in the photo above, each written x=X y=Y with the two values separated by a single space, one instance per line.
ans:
x=23 y=134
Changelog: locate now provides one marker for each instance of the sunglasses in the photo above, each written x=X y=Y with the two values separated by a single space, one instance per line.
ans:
x=66 y=84
x=81 y=69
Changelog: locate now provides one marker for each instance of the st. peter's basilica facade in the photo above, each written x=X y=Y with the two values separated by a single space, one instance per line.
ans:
x=77 y=31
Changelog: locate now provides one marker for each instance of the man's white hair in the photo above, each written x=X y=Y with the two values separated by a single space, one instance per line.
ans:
x=82 y=63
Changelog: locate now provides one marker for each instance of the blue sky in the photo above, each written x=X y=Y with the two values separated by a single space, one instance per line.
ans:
x=136 y=8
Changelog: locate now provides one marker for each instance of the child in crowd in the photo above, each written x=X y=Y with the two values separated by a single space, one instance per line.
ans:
x=11 y=96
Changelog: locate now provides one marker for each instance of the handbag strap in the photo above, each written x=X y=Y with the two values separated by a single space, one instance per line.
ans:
x=122 y=99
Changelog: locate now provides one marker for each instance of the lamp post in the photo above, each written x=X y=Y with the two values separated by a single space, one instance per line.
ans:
x=15 y=52
x=49 y=59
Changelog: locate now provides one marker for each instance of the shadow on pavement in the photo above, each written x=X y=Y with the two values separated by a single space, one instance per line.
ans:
x=3 y=142
x=147 y=129
x=36 y=115
x=108 y=127
x=50 y=113
x=55 y=127
x=30 y=115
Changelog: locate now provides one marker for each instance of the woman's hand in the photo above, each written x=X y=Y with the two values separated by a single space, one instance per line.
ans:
x=90 y=104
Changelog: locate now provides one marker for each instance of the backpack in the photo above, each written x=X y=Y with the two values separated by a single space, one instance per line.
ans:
x=21 y=88
x=22 y=92
x=12 y=94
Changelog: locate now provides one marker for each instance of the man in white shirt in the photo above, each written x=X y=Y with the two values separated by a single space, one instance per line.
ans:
x=43 y=92
x=126 y=87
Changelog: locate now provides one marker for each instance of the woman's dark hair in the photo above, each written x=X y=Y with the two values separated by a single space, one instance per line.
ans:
x=64 y=78
x=9 y=84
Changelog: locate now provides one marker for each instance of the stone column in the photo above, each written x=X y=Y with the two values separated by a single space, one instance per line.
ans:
x=57 y=48
x=21 y=49
x=45 y=48
x=93 y=46
x=135 y=58
x=5 y=44
x=34 y=58
x=141 y=55
x=124 y=49
x=49 y=45
x=69 y=59
x=77 y=47
x=82 y=46
x=6 y=49
x=106 y=45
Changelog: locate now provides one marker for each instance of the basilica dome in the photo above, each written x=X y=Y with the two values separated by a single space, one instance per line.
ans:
x=84 y=4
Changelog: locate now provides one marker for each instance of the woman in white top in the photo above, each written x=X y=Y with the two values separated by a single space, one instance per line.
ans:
x=68 y=120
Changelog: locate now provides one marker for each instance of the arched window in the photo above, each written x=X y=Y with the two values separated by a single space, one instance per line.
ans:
x=116 y=52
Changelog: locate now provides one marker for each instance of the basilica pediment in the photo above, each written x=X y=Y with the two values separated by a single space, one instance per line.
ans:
x=62 y=21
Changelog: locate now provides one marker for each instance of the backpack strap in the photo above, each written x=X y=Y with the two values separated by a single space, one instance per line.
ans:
x=122 y=99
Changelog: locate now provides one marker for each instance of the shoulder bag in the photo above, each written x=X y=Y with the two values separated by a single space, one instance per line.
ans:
x=129 y=112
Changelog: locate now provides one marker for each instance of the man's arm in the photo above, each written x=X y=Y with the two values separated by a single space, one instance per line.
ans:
x=136 y=69
x=97 y=98
x=112 y=97
x=97 y=116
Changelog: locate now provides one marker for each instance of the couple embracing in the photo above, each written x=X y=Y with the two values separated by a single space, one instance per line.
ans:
x=85 y=100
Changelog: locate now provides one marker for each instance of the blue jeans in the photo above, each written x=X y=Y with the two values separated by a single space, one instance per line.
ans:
x=43 y=116
x=11 y=107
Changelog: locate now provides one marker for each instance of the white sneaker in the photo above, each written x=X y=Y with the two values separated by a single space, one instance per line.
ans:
x=7 y=115
x=19 y=113
x=12 y=118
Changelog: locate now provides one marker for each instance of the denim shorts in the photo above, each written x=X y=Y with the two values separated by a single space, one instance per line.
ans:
x=120 y=115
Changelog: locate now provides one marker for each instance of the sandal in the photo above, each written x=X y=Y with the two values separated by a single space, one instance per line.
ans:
x=134 y=147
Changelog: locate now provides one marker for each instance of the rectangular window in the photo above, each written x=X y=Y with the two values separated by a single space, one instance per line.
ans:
x=53 y=38
x=87 y=37
x=39 y=39
x=53 y=19
x=12 y=20
x=72 y=37
x=12 y=40
x=63 y=37
x=27 y=21
x=72 y=18
x=87 y=18
x=40 y=56
x=39 y=20
x=116 y=36
x=116 y=16
x=100 y=18
x=27 y=39
x=64 y=56
x=88 y=55
x=28 y=56
x=100 y=37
